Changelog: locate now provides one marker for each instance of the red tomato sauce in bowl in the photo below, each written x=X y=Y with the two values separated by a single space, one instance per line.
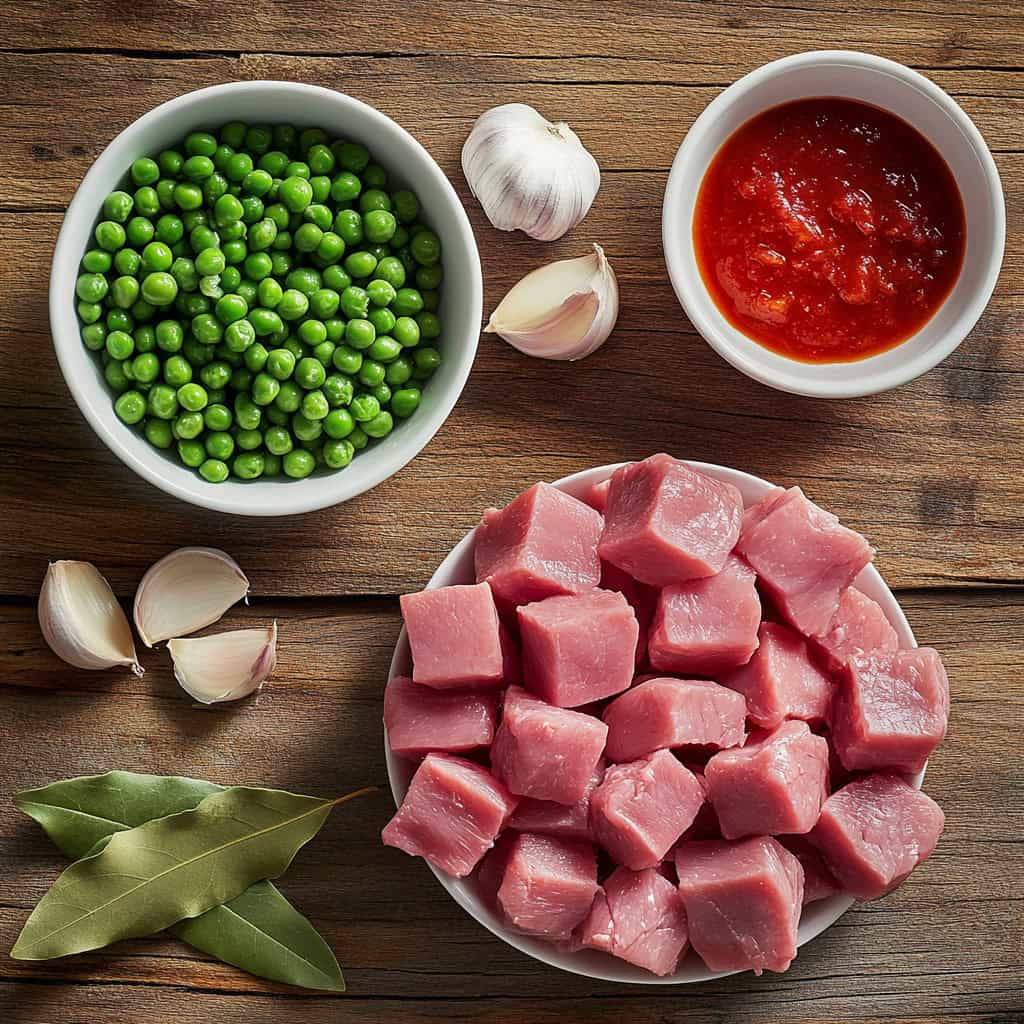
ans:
x=828 y=230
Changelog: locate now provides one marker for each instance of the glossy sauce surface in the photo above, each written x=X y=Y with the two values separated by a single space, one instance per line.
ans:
x=828 y=230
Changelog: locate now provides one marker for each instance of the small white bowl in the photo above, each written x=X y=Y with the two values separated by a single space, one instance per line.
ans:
x=406 y=162
x=456 y=568
x=908 y=95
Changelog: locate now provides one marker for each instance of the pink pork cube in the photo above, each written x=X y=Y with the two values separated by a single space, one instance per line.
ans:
x=543 y=543
x=706 y=626
x=638 y=916
x=451 y=814
x=663 y=712
x=803 y=556
x=546 y=752
x=454 y=637
x=666 y=523
x=775 y=784
x=578 y=649
x=643 y=807
x=596 y=495
x=491 y=869
x=874 y=831
x=420 y=720
x=890 y=710
x=819 y=883
x=570 y=821
x=549 y=884
x=858 y=626
x=781 y=681
x=743 y=900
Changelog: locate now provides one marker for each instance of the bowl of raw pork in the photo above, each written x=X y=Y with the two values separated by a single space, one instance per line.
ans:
x=637 y=716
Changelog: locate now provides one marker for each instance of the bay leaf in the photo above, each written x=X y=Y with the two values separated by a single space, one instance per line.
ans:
x=180 y=866
x=77 y=813
x=258 y=931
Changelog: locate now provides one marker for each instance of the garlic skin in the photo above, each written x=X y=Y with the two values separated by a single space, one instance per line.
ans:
x=528 y=173
x=564 y=310
x=81 y=620
x=224 y=666
x=186 y=590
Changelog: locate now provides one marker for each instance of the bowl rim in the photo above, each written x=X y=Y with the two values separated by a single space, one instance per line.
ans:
x=592 y=963
x=697 y=303
x=293 y=499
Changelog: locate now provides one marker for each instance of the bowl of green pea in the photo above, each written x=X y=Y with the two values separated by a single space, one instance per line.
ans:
x=266 y=297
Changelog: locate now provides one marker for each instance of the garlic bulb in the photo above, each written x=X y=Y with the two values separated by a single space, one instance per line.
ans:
x=186 y=590
x=81 y=619
x=529 y=173
x=224 y=666
x=564 y=310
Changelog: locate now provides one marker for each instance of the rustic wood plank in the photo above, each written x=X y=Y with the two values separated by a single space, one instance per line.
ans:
x=410 y=954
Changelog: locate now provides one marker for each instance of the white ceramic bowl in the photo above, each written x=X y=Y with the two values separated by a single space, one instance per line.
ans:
x=908 y=95
x=407 y=163
x=458 y=568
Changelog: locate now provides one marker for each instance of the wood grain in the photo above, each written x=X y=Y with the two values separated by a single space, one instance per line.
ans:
x=933 y=473
x=409 y=953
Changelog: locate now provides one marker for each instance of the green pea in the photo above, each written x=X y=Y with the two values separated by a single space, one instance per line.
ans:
x=217 y=417
x=431 y=300
x=162 y=402
x=248 y=465
x=390 y=269
x=278 y=440
x=230 y=308
x=169 y=336
x=265 y=321
x=233 y=134
x=262 y=235
x=338 y=453
x=145 y=171
x=271 y=464
x=192 y=397
x=188 y=425
x=306 y=429
x=349 y=226
x=381 y=293
x=407 y=302
x=170 y=229
x=113 y=372
x=142 y=311
x=95 y=335
x=264 y=388
x=120 y=320
x=109 y=235
x=147 y=202
x=146 y=368
x=358 y=439
x=427 y=360
x=231 y=279
x=289 y=398
x=309 y=373
x=197 y=168
x=297 y=169
x=215 y=375
x=315 y=405
x=364 y=407
x=196 y=353
x=257 y=182
x=91 y=287
x=256 y=356
x=210 y=260
x=192 y=453
x=312 y=332
x=177 y=371
x=307 y=238
x=219 y=444
x=275 y=417
x=405 y=402
x=429 y=277
x=338 y=390
x=298 y=464
x=120 y=344
x=384 y=349
x=345 y=187
x=331 y=248
x=306 y=280
x=158 y=433
x=214 y=471
x=97 y=261
x=400 y=238
x=382 y=319
x=238 y=336
x=200 y=144
x=159 y=288
x=382 y=392
x=336 y=278
x=379 y=226
x=247 y=412
x=259 y=138
x=339 y=423
x=156 y=256
x=429 y=325
x=360 y=264
x=223 y=154
x=375 y=176
x=252 y=209
x=371 y=373
x=355 y=303
x=130 y=407
x=293 y=305
x=406 y=205
x=295 y=193
x=380 y=426
x=165 y=193
x=399 y=371
x=269 y=293
x=373 y=199
x=127 y=262
x=406 y=332
x=188 y=196
x=118 y=206
x=248 y=291
x=235 y=251
x=425 y=248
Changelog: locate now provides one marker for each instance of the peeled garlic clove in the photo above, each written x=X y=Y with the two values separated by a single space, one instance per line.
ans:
x=81 y=619
x=224 y=666
x=528 y=173
x=564 y=310
x=186 y=590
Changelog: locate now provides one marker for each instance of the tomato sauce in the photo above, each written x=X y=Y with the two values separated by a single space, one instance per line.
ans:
x=828 y=230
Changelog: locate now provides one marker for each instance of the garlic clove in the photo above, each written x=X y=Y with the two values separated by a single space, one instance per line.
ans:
x=564 y=310
x=81 y=620
x=528 y=173
x=224 y=666
x=186 y=590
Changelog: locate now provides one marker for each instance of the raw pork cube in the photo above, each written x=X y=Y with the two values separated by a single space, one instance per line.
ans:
x=743 y=901
x=818 y=881
x=664 y=712
x=781 y=681
x=666 y=523
x=706 y=626
x=544 y=542
x=578 y=649
x=874 y=831
x=640 y=597
x=890 y=709
x=638 y=916
x=803 y=557
x=451 y=814
x=546 y=752
x=454 y=637
x=596 y=495
x=420 y=720
x=549 y=884
x=491 y=869
x=570 y=821
x=775 y=784
x=858 y=626
x=642 y=808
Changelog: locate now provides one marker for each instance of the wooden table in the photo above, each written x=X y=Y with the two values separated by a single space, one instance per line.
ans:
x=933 y=473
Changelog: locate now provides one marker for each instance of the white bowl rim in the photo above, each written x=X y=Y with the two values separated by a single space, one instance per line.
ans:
x=591 y=963
x=869 y=380
x=294 y=499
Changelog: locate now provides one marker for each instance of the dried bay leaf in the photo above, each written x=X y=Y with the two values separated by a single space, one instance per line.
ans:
x=180 y=866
